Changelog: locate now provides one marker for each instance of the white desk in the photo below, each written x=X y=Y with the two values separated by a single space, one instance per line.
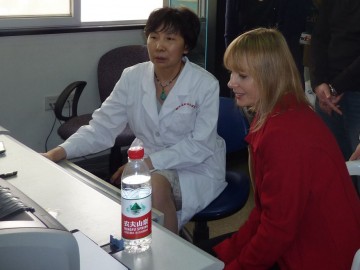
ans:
x=4 y=130
x=94 y=209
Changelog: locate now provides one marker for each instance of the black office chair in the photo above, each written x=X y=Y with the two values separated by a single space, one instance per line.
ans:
x=110 y=68
x=232 y=127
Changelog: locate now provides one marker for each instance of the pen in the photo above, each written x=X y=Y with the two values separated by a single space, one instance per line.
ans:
x=7 y=175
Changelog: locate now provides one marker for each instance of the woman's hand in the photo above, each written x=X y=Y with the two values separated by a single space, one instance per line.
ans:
x=356 y=154
x=116 y=177
x=56 y=154
x=327 y=102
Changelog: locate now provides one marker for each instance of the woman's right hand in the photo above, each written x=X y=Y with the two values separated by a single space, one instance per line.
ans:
x=56 y=154
x=327 y=102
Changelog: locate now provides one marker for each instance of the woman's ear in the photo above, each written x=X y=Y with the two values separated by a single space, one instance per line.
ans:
x=186 y=50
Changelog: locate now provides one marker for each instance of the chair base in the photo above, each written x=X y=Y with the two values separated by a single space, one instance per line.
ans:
x=201 y=232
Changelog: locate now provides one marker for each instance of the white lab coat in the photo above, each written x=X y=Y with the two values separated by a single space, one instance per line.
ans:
x=182 y=136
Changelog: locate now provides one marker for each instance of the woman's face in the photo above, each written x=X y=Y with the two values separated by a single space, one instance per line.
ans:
x=166 y=49
x=245 y=89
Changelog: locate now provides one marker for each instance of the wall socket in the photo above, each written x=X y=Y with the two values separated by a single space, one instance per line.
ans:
x=51 y=100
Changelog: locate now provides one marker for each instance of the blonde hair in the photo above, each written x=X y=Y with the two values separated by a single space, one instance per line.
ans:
x=263 y=54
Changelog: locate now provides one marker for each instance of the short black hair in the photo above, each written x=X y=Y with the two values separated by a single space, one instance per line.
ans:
x=177 y=20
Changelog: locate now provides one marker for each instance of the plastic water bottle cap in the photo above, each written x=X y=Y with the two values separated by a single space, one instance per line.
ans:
x=136 y=152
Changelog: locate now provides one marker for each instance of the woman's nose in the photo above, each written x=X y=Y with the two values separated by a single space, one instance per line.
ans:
x=159 y=45
x=232 y=82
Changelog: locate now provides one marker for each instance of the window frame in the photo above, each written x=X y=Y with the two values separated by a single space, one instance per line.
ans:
x=74 y=19
x=64 y=24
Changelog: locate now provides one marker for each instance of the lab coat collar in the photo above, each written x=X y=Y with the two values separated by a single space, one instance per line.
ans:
x=173 y=99
x=180 y=89
x=149 y=94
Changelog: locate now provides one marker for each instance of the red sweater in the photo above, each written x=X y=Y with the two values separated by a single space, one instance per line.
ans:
x=307 y=212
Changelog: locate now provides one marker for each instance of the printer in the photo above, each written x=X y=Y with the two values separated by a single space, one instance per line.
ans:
x=30 y=238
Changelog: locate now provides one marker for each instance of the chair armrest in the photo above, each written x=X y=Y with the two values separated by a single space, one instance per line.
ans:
x=78 y=87
x=353 y=167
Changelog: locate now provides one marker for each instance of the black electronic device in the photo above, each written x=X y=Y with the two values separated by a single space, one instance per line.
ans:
x=30 y=238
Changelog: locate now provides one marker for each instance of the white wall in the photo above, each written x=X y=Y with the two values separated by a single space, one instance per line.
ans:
x=35 y=66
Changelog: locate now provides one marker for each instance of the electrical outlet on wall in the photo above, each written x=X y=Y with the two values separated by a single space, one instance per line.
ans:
x=51 y=100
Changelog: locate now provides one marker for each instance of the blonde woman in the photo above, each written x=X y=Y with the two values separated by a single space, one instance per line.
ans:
x=307 y=213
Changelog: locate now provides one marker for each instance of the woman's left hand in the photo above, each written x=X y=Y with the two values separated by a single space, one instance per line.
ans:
x=116 y=177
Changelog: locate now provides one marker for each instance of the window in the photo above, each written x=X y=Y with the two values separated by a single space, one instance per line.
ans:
x=49 y=13
x=18 y=8
x=117 y=10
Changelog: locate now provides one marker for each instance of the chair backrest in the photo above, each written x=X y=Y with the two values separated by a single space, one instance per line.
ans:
x=232 y=125
x=112 y=64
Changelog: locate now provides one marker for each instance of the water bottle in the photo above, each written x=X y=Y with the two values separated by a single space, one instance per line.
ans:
x=136 y=201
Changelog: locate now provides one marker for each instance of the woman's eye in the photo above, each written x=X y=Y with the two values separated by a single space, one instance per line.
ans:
x=238 y=75
x=153 y=36
x=242 y=76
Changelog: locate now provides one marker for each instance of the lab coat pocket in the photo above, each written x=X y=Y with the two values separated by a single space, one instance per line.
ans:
x=183 y=120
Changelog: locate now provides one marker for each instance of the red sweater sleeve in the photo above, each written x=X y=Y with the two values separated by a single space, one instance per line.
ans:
x=230 y=248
